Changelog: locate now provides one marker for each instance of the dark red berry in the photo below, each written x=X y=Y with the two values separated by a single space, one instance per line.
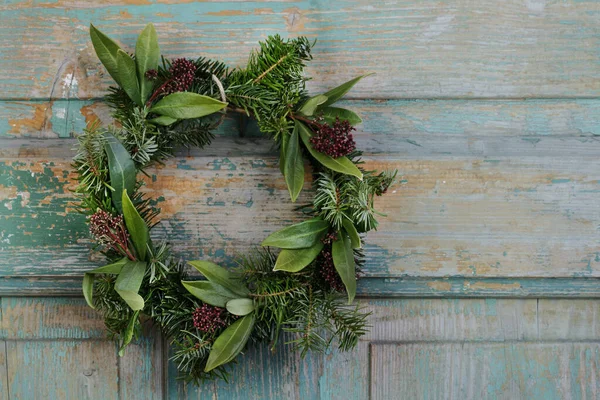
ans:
x=334 y=140
x=208 y=318
x=183 y=72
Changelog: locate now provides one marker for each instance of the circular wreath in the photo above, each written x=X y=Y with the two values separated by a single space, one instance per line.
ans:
x=307 y=287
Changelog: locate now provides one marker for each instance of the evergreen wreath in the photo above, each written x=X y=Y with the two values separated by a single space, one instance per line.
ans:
x=306 y=289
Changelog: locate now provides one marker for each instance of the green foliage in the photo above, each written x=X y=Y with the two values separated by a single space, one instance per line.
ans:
x=298 y=236
x=136 y=226
x=88 y=289
x=185 y=105
x=343 y=259
x=91 y=164
x=128 y=78
x=294 y=166
x=298 y=304
x=273 y=295
x=128 y=284
x=310 y=106
x=342 y=197
x=129 y=332
x=121 y=168
x=272 y=83
x=294 y=260
x=240 y=307
x=340 y=164
x=230 y=343
x=330 y=114
x=147 y=54
x=106 y=50
x=352 y=233
x=338 y=92
x=209 y=292
x=220 y=276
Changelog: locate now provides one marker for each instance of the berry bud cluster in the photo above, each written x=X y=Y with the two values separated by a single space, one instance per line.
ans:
x=208 y=318
x=183 y=72
x=328 y=272
x=334 y=140
x=110 y=232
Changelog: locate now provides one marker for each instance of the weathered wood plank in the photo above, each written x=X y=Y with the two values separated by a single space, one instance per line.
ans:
x=3 y=371
x=484 y=370
x=418 y=50
x=491 y=210
x=431 y=330
x=27 y=318
x=260 y=375
x=141 y=372
x=383 y=120
x=66 y=369
x=572 y=319
x=409 y=320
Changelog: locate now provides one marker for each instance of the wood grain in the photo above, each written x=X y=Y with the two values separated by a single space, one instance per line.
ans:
x=490 y=210
x=383 y=120
x=64 y=369
x=417 y=49
x=477 y=371
x=517 y=347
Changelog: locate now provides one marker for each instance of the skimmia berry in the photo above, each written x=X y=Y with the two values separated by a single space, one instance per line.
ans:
x=208 y=318
x=110 y=231
x=335 y=140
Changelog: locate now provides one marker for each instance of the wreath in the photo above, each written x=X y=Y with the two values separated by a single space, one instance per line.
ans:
x=304 y=290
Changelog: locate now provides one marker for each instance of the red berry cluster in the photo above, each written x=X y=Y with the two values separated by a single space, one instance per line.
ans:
x=208 y=318
x=110 y=232
x=151 y=74
x=183 y=72
x=328 y=272
x=330 y=237
x=334 y=140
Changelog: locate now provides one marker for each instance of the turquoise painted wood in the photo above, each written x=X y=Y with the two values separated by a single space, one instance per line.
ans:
x=483 y=279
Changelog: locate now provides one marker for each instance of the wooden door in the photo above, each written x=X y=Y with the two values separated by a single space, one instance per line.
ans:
x=483 y=278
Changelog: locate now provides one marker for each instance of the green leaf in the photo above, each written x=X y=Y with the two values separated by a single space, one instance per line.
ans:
x=282 y=148
x=309 y=107
x=230 y=343
x=240 y=306
x=147 y=54
x=114 y=268
x=294 y=260
x=294 y=166
x=128 y=334
x=331 y=113
x=128 y=284
x=340 y=164
x=128 y=76
x=352 y=232
x=88 y=289
x=209 y=292
x=298 y=236
x=185 y=105
x=343 y=260
x=337 y=93
x=136 y=226
x=163 y=120
x=220 y=276
x=106 y=50
x=121 y=169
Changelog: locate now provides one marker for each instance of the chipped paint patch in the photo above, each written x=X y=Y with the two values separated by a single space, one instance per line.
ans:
x=39 y=121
